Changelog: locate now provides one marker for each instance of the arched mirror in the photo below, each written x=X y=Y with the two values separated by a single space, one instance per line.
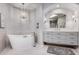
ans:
x=57 y=20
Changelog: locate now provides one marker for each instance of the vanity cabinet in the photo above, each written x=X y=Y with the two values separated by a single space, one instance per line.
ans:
x=65 y=38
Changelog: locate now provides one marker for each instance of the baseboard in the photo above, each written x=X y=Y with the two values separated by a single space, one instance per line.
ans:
x=63 y=45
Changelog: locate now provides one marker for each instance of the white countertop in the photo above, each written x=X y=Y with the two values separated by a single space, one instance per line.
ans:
x=62 y=30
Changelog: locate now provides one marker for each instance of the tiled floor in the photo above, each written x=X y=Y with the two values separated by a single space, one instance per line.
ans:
x=38 y=50
x=33 y=51
x=76 y=51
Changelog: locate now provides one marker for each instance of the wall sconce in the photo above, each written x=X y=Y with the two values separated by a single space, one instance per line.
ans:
x=74 y=18
x=44 y=20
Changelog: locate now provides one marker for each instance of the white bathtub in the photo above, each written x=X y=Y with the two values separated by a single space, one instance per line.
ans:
x=21 y=41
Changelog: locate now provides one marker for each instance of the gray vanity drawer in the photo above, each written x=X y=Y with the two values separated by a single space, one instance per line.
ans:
x=62 y=41
x=61 y=38
x=69 y=42
x=71 y=34
x=62 y=33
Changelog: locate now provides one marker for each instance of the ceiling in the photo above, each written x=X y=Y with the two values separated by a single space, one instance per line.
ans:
x=30 y=6
x=26 y=6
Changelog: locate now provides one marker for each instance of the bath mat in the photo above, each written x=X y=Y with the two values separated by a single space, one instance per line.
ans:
x=60 y=50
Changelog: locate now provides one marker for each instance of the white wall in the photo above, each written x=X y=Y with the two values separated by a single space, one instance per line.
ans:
x=5 y=17
x=11 y=20
x=16 y=25
x=33 y=21
x=69 y=10
x=4 y=10
x=39 y=19
x=36 y=16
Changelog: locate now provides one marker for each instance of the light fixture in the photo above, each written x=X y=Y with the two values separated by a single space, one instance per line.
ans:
x=23 y=14
x=74 y=18
x=52 y=16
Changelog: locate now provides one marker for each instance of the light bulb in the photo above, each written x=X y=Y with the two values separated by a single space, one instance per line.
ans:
x=73 y=16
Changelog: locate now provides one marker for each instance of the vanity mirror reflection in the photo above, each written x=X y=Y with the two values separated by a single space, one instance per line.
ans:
x=57 y=21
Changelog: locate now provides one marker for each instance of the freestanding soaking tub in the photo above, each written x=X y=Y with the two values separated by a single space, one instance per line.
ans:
x=21 y=41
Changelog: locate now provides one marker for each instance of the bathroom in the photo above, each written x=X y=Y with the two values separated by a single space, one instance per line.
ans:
x=36 y=28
